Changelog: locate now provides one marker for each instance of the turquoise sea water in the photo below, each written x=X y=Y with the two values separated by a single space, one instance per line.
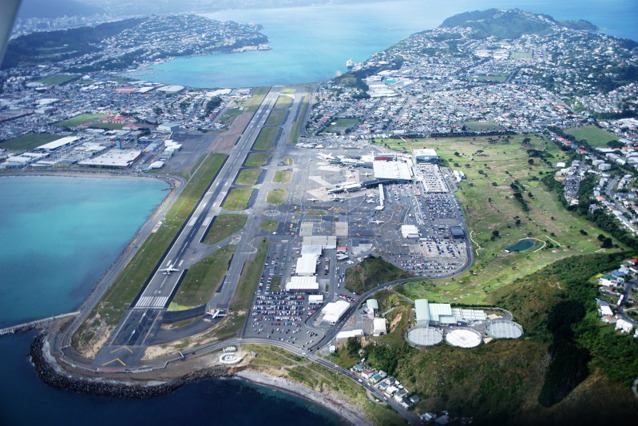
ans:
x=57 y=237
x=311 y=44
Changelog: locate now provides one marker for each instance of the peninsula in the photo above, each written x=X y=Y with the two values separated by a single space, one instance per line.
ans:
x=446 y=233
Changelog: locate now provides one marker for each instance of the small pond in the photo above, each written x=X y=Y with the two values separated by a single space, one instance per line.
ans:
x=522 y=245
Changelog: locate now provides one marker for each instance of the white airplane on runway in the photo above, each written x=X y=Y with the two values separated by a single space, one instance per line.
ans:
x=167 y=271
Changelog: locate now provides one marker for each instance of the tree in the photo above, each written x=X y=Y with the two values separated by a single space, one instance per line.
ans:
x=607 y=243
x=530 y=161
x=495 y=234
x=353 y=346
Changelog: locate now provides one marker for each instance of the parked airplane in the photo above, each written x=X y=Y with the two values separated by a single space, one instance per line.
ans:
x=376 y=221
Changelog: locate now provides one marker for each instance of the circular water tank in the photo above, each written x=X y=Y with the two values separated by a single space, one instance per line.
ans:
x=463 y=338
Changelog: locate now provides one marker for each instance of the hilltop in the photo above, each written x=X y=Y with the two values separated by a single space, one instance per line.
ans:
x=130 y=42
x=510 y=24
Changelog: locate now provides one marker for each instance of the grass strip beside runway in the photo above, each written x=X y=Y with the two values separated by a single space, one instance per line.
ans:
x=224 y=226
x=203 y=278
x=243 y=296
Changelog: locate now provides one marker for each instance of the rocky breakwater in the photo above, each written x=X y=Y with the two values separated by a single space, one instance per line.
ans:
x=50 y=372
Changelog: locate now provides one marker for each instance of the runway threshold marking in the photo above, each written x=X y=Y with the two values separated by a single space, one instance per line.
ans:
x=114 y=360
x=120 y=348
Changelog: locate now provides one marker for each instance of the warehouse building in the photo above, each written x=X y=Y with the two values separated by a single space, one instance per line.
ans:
x=443 y=314
x=333 y=311
x=302 y=284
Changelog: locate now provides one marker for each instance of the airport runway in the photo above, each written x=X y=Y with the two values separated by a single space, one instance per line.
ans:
x=144 y=318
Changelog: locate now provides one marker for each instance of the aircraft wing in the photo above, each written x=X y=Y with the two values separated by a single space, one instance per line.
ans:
x=8 y=12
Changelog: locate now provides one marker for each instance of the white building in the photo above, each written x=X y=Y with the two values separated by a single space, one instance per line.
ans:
x=409 y=231
x=304 y=283
x=624 y=326
x=306 y=265
x=333 y=311
x=379 y=327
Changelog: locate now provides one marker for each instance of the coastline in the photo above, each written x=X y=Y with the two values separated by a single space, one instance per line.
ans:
x=338 y=406
x=53 y=374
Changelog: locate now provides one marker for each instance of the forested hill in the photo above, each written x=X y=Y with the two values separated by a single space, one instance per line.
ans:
x=510 y=24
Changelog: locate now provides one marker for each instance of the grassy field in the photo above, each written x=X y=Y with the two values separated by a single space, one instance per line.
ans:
x=372 y=272
x=56 y=80
x=203 y=279
x=594 y=136
x=107 y=126
x=128 y=284
x=494 y=78
x=237 y=199
x=269 y=225
x=256 y=99
x=243 y=296
x=79 y=120
x=28 y=142
x=248 y=176
x=277 y=196
x=224 y=226
x=283 y=176
x=491 y=164
x=341 y=125
x=279 y=112
x=257 y=159
x=267 y=138
x=521 y=55
x=316 y=212
x=481 y=126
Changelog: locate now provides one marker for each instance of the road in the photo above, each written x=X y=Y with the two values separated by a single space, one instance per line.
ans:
x=629 y=285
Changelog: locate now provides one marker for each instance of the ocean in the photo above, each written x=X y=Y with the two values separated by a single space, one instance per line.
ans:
x=311 y=44
x=58 y=235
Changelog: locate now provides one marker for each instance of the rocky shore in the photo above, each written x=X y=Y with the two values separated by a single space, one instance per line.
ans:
x=50 y=372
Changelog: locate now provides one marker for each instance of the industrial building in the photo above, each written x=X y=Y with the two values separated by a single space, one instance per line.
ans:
x=443 y=314
x=117 y=158
x=333 y=311
x=457 y=232
x=168 y=127
x=306 y=265
x=348 y=334
x=315 y=299
x=379 y=327
x=302 y=284
x=410 y=231
x=372 y=308
x=426 y=155
x=58 y=143
x=395 y=171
